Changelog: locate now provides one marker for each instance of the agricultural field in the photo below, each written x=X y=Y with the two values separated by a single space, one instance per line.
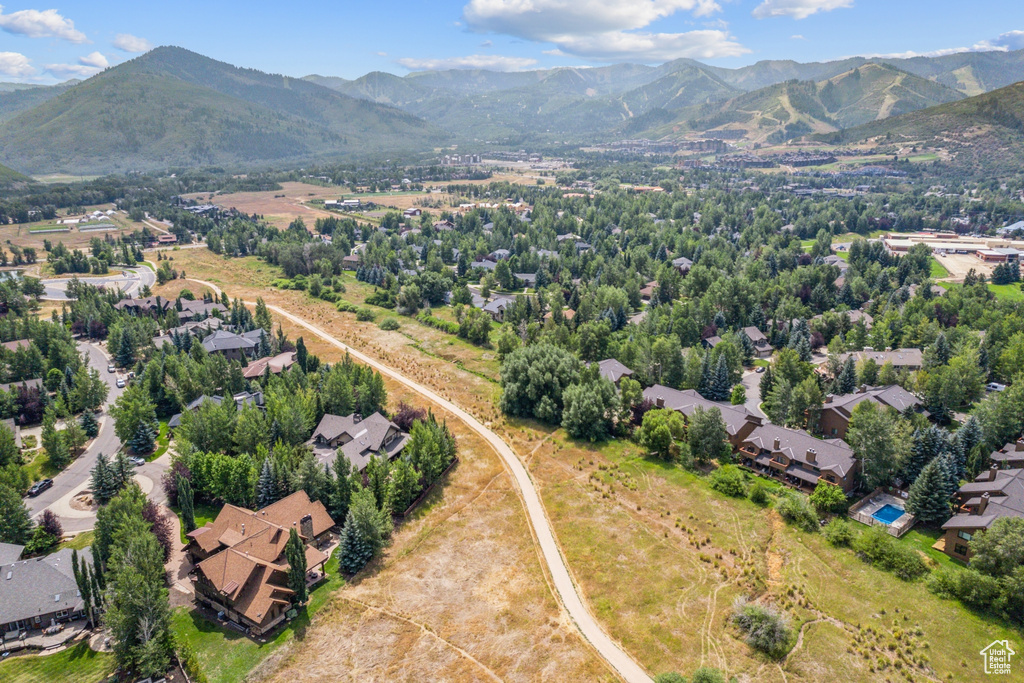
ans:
x=659 y=556
x=33 y=234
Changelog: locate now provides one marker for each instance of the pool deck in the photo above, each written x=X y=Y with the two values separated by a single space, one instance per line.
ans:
x=864 y=512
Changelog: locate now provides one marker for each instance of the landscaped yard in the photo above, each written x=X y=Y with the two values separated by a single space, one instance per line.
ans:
x=38 y=466
x=922 y=539
x=1010 y=292
x=938 y=270
x=204 y=512
x=79 y=664
x=227 y=656
x=163 y=440
x=80 y=541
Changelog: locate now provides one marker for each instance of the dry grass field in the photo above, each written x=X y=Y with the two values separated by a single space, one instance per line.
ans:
x=659 y=556
x=22 y=235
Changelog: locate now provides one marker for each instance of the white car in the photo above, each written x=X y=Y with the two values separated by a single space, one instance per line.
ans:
x=137 y=461
x=120 y=383
x=111 y=368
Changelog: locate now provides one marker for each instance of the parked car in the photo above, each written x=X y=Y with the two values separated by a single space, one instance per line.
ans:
x=39 y=487
x=137 y=461
x=760 y=369
x=120 y=383
x=111 y=368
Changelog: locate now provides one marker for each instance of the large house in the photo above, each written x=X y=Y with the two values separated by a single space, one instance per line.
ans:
x=1010 y=456
x=240 y=566
x=799 y=459
x=994 y=494
x=39 y=592
x=613 y=371
x=901 y=359
x=233 y=346
x=739 y=422
x=241 y=400
x=147 y=306
x=837 y=410
x=762 y=349
x=275 y=365
x=357 y=439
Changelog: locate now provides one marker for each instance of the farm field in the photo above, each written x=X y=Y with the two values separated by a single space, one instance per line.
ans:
x=33 y=234
x=659 y=555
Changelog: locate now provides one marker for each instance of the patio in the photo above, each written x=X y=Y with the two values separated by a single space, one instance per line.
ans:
x=866 y=509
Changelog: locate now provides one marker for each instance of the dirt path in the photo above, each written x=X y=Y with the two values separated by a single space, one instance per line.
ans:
x=566 y=589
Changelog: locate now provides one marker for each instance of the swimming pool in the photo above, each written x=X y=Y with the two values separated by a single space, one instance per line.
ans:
x=887 y=514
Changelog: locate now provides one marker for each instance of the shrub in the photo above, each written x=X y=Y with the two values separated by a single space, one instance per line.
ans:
x=382 y=298
x=346 y=307
x=828 y=498
x=389 y=324
x=969 y=586
x=795 y=509
x=428 y=319
x=880 y=549
x=766 y=629
x=838 y=532
x=759 y=494
x=706 y=674
x=365 y=315
x=670 y=677
x=728 y=479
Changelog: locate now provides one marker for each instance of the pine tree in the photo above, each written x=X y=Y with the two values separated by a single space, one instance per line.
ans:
x=126 y=349
x=295 y=553
x=970 y=434
x=926 y=446
x=940 y=350
x=266 y=486
x=847 y=380
x=144 y=439
x=90 y=425
x=15 y=520
x=928 y=499
x=104 y=486
x=186 y=502
x=766 y=384
x=341 y=489
x=706 y=378
x=121 y=470
x=721 y=386
x=354 y=551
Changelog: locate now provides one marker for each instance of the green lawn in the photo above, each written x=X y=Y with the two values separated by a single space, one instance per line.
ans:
x=938 y=270
x=81 y=541
x=204 y=512
x=227 y=656
x=1009 y=292
x=921 y=539
x=39 y=466
x=163 y=440
x=78 y=664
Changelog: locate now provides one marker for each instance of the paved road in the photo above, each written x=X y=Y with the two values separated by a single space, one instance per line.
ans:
x=566 y=588
x=752 y=383
x=131 y=284
x=76 y=477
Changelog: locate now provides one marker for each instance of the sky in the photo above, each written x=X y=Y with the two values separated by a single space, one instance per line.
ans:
x=61 y=39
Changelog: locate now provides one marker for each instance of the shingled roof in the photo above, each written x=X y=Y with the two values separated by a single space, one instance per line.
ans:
x=39 y=586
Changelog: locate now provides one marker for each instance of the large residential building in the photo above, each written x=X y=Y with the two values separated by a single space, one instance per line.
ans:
x=799 y=459
x=275 y=365
x=837 y=410
x=148 y=306
x=901 y=359
x=739 y=422
x=239 y=558
x=994 y=494
x=357 y=439
x=39 y=592
x=1010 y=456
x=233 y=346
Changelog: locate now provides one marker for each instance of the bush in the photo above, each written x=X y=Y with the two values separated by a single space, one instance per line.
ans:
x=728 y=479
x=670 y=677
x=365 y=315
x=706 y=674
x=838 y=532
x=828 y=498
x=428 y=319
x=795 y=509
x=766 y=629
x=346 y=307
x=758 y=494
x=382 y=298
x=882 y=550
x=388 y=324
x=969 y=586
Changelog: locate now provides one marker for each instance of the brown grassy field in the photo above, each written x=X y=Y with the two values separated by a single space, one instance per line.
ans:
x=659 y=556
x=20 y=234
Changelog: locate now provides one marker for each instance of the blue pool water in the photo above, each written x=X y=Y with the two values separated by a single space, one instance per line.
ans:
x=888 y=514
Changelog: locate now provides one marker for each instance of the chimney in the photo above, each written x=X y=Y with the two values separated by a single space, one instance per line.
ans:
x=983 y=504
x=1019 y=446
x=862 y=389
x=356 y=418
x=828 y=398
x=869 y=349
x=777 y=444
x=991 y=474
x=812 y=456
x=243 y=528
x=306 y=526
x=660 y=402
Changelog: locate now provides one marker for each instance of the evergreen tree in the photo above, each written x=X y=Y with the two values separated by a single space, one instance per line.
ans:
x=186 y=502
x=706 y=377
x=301 y=354
x=15 y=520
x=928 y=499
x=295 y=553
x=940 y=350
x=354 y=551
x=122 y=470
x=767 y=383
x=144 y=439
x=720 y=384
x=341 y=489
x=846 y=383
x=104 y=486
x=970 y=434
x=90 y=425
x=927 y=443
x=266 y=486
x=126 y=349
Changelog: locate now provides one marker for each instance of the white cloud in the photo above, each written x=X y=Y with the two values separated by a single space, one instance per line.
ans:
x=41 y=24
x=382 y=54
x=1011 y=40
x=797 y=37
x=604 y=29
x=89 y=65
x=129 y=43
x=15 y=65
x=491 y=62
x=797 y=9
x=95 y=59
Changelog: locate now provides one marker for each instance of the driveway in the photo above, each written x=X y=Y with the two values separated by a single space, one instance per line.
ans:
x=76 y=478
x=129 y=280
x=752 y=383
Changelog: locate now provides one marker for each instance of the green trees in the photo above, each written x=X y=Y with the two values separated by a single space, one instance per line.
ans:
x=135 y=417
x=363 y=534
x=828 y=497
x=186 y=502
x=708 y=437
x=588 y=406
x=476 y=327
x=928 y=499
x=881 y=439
x=533 y=379
x=728 y=479
x=999 y=550
x=795 y=509
x=15 y=520
x=295 y=554
x=766 y=628
x=53 y=442
x=90 y=425
x=660 y=430
x=738 y=396
x=430 y=450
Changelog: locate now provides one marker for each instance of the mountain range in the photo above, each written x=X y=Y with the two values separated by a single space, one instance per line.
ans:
x=172 y=107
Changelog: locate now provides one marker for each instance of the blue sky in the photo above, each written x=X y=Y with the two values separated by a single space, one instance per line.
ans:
x=62 y=39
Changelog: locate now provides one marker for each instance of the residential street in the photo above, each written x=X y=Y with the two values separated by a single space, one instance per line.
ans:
x=75 y=478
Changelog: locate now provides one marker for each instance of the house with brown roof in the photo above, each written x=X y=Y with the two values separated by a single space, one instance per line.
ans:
x=357 y=439
x=762 y=349
x=275 y=365
x=17 y=344
x=799 y=459
x=1010 y=456
x=148 y=306
x=901 y=359
x=240 y=566
x=837 y=410
x=994 y=494
x=739 y=422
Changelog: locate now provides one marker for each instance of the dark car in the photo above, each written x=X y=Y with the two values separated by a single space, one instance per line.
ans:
x=39 y=487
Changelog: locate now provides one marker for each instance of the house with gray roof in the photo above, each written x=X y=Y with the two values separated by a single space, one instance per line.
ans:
x=992 y=495
x=682 y=264
x=39 y=592
x=837 y=410
x=739 y=422
x=357 y=439
x=762 y=349
x=901 y=359
x=613 y=371
x=799 y=459
x=232 y=346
